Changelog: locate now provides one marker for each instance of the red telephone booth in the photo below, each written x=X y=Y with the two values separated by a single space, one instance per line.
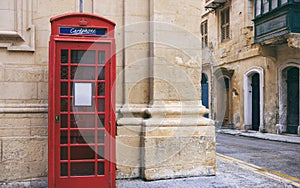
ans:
x=81 y=101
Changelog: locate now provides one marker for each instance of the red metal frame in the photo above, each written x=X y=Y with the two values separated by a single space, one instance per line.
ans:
x=81 y=42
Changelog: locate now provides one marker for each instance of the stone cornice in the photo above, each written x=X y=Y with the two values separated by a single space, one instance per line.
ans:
x=23 y=108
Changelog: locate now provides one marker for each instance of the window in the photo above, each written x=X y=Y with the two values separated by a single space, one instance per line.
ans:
x=274 y=4
x=225 y=19
x=204 y=34
x=258 y=7
x=266 y=6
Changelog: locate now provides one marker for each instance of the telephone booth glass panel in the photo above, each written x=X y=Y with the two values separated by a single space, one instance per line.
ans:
x=83 y=120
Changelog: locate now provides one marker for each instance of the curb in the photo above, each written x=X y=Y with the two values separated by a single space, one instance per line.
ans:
x=263 y=136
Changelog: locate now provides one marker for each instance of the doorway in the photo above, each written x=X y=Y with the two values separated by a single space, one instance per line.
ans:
x=204 y=92
x=255 y=102
x=254 y=99
x=292 y=100
x=223 y=95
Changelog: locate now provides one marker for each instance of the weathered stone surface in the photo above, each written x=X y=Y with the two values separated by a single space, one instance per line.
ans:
x=18 y=90
x=23 y=157
x=189 y=170
x=14 y=131
x=293 y=40
x=176 y=128
x=128 y=156
x=23 y=74
x=27 y=183
x=42 y=90
x=180 y=150
x=1 y=73
x=23 y=140
x=9 y=58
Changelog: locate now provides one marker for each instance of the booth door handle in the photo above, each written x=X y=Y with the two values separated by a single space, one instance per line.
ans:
x=56 y=118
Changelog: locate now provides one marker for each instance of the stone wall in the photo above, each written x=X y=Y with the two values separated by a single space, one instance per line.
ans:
x=163 y=133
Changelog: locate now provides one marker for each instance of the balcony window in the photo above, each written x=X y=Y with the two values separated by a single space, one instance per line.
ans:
x=265 y=6
x=276 y=18
x=274 y=4
x=258 y=7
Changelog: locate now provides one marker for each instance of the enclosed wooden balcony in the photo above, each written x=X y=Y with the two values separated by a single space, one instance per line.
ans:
x=275 y=20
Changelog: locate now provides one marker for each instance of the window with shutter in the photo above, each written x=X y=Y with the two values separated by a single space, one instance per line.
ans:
x=225 y=24
x=204 y=34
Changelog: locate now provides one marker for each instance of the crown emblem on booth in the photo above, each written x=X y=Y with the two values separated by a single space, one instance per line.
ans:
x=83 y=22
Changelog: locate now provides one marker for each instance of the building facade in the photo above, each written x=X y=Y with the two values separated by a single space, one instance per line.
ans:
x=161 y=131
x=251 y=59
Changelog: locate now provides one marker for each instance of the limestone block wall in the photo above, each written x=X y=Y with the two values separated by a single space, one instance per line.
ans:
x=185 y=151
x=23 y=140
x=174 y=103
x=23 y=114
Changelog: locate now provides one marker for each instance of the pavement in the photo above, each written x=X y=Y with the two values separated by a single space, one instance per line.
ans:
x=231 y=173
x=290 y=138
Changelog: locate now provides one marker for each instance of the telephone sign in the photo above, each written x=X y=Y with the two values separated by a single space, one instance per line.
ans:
x=81 y=119
x=82 y=31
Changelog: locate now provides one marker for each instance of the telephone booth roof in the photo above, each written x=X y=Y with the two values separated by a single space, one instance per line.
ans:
x=83 y=20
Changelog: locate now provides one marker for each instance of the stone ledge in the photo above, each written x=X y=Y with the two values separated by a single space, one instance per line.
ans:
x=23 y=108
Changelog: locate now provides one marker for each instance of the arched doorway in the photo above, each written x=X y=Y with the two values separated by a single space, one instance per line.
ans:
x=204 y=92
x=289 y=97
x=292 y=100
x=253 y=99
x=226 y=97
x=223 y=102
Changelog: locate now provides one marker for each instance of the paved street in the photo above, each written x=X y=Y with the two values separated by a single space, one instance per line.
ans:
x=273 y=155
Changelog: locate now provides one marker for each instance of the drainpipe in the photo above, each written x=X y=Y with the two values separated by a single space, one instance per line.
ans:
x=80 y=5
x=123 y=52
